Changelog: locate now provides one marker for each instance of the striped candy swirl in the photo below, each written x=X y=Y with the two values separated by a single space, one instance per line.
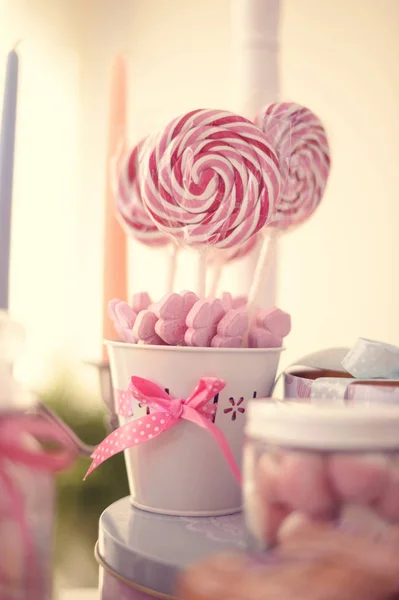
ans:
x=301 y=143
x=132 y=212
x=240 y=251
x=210 y=177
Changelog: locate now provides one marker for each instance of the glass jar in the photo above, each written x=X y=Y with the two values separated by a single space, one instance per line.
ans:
x=320 y=462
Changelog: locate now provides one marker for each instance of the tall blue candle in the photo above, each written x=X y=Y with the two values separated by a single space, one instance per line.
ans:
x=7 y=145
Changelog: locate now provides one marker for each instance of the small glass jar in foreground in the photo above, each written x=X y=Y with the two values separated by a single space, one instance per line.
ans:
x=320 y=462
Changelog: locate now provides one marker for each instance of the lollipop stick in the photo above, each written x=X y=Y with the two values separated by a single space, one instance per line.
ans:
x=172 y=267
x=262 y=271
x=217 y=271
x=201 y=284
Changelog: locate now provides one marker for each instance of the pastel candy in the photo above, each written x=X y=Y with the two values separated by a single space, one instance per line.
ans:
x=172 y=312
x=227 y=301
x=304 y=484
x=210 y=178
x=240 y=301
x=144 y=329
x=293 y=523
x=359 y=478
x=267 y=478
x=231 y=329
x=263 y=518
x=274 y=320
x=123 y=317
x=274 y=516
x=258 y=337
x=202 y=322
x=140 y=301
x=388 y=504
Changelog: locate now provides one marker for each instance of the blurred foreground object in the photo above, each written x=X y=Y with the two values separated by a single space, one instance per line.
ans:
x=79 y=506
x=31 y=451
x=334 y=565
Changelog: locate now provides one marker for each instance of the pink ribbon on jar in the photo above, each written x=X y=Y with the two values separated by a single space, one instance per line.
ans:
x=168 y=413
x=15 y=430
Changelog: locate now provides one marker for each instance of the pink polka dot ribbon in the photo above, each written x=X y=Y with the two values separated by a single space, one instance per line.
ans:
x=124 y=403
x=167 y=412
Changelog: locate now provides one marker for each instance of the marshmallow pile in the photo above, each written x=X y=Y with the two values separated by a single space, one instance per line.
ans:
x=319 y=486
x=185 y=320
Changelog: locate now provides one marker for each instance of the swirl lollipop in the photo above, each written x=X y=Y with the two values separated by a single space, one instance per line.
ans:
x=133 y=214
x=300 y=141
x=131 y=210
x=211 y=178
x=301 y=144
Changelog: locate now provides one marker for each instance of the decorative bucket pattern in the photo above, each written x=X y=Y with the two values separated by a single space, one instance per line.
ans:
x=183 y=471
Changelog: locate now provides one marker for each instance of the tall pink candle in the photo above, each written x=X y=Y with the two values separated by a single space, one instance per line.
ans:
x=115 y=260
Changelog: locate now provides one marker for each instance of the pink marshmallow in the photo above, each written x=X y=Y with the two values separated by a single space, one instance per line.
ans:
x=274 y=320
x=227 y=301
x=361 y=478
x=202 y=322
x=274 y=516
x=172 y=312
x=239 y=302
x=258 y=337
x=123 y=317
x=294 y=523
x=144 y=329
x=304 y=484
x=267 y=478
x=263 y=518
x=140 y=301
x=388 y=504
x=231 y=329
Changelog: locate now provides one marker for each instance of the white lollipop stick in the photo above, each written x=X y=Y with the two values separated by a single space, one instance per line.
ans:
x=174 y=251
x=216 y=273
x=237 y=252
x=201 y=282
x=264 y=267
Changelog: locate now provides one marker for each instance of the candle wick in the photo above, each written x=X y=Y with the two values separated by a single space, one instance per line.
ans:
x=17 y=43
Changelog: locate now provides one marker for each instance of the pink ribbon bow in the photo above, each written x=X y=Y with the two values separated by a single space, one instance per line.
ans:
x=168 y=412
x=14 y=431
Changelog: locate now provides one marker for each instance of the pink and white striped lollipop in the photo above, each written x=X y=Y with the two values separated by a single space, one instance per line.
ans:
x=211 y=177
x=134 y=215
x=301 y=144
x=242 y=250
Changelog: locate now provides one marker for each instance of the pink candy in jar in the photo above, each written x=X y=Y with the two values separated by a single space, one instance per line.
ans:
x=320 y=463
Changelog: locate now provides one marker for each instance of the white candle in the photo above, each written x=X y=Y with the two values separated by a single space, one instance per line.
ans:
x=7 y=144
x=255 y=31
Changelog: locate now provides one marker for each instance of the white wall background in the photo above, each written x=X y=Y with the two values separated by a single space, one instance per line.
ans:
x=337 y=272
